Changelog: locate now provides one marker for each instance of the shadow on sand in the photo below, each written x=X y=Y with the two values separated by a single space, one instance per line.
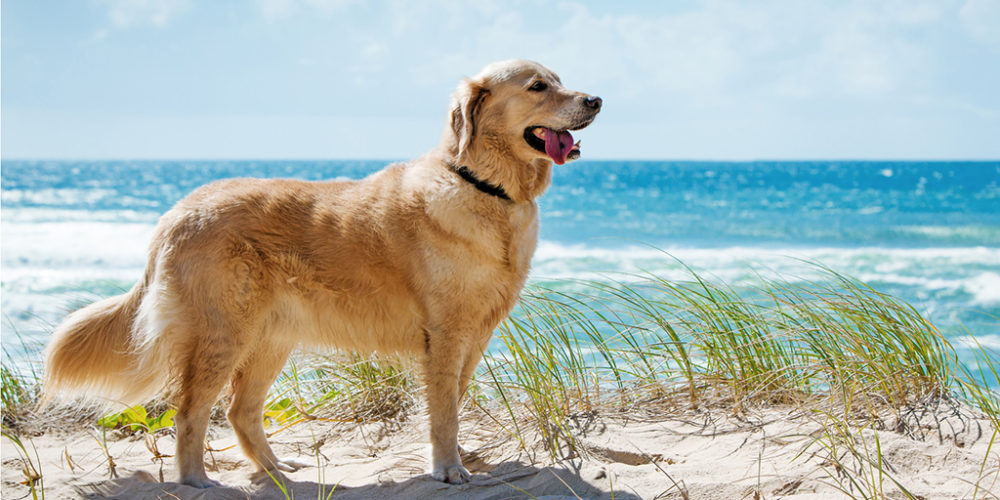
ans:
x=506 y=481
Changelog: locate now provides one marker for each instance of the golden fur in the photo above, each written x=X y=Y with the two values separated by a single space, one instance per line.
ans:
x=412 y=259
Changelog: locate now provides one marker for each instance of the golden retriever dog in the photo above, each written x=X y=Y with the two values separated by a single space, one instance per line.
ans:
x=424 y=258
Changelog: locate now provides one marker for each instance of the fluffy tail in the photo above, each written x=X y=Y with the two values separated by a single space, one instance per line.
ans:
x=96 y=352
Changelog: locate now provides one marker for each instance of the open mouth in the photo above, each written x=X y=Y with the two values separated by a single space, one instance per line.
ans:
x=557 y=144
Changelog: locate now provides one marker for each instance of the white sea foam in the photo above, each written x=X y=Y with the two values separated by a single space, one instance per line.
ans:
x=918 y=267
x=548 y=249
x=59 y=245
x=985 y=287
x=57 y=196
x=971 y=275
x=47 y=214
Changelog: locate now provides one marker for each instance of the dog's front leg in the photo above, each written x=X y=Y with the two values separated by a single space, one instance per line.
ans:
x=442 y=367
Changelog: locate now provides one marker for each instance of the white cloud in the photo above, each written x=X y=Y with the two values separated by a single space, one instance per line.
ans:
x=329 y=6
x=374 y=50
x=914 y=12
x=707 y=52
x=982 y=19
x=274 y=10
x=129 y=13
x=849 y=59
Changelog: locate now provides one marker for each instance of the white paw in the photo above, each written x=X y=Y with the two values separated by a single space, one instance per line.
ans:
x=291 y=464
x=454 y=474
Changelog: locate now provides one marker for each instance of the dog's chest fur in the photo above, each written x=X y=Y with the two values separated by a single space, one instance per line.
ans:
x=482 y=247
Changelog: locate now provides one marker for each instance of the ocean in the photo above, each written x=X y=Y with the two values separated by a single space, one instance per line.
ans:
x=926 y=232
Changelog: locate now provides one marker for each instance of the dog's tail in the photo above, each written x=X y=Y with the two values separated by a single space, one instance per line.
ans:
x=99 y=352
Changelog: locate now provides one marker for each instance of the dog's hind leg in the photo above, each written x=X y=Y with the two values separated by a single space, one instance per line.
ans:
x=209 y=365
x=250 y=386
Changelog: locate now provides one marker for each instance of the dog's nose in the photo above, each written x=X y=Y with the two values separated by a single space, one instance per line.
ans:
x=593 y=102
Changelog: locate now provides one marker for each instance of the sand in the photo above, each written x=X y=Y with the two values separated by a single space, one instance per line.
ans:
x=766 y=453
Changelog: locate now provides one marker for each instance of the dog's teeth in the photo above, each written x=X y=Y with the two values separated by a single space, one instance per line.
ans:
x=539 y=133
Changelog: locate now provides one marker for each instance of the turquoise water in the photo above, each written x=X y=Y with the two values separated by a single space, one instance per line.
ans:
x=928 y=232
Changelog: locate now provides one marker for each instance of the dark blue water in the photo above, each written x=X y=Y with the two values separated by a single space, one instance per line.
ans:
x=894 y=204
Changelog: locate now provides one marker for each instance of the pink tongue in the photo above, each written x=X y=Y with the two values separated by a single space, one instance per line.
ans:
x=558 y=145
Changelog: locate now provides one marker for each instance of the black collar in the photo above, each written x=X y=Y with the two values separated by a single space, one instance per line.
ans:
x=486 y=187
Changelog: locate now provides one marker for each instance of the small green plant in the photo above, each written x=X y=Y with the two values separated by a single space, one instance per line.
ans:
x=102 y=441
x=137 y=419
x=280 y=412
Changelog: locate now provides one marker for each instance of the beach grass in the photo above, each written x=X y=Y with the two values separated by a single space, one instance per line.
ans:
x=644 y=347
x=832 y=343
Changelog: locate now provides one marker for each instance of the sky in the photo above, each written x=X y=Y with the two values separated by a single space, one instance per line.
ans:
x=330 y=79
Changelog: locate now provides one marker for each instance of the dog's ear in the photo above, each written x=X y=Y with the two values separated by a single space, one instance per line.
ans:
x=465 y=105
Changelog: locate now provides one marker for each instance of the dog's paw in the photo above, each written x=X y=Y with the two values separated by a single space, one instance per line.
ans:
x=200 y=482
x=454 y=474
x=267 y=477
x=291 y=464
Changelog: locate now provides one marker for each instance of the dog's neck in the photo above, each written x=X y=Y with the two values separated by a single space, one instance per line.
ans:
x=521 y=180
x=486 y=187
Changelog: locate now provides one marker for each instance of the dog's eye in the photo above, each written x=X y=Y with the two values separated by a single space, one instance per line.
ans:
x=538 y=86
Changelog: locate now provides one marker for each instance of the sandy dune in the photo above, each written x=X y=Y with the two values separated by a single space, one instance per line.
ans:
x=711 y=455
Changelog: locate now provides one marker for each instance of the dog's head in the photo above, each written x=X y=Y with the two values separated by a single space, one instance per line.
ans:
x=516 y=114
